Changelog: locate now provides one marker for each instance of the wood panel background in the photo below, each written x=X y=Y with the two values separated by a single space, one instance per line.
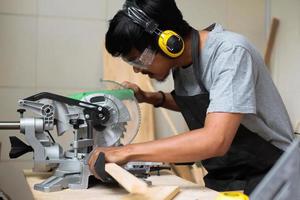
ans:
x=117 y=70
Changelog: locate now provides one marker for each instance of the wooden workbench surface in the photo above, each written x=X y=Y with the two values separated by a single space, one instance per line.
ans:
x=188 y=190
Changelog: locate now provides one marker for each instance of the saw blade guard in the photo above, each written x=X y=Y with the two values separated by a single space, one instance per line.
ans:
x=125 y=115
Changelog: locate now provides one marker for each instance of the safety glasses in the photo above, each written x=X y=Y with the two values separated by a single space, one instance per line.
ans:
x=144 y=60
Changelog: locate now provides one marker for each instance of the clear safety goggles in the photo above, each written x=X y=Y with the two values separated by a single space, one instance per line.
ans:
x=144 y=60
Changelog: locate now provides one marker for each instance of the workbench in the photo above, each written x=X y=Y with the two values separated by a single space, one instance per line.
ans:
x=18 y=184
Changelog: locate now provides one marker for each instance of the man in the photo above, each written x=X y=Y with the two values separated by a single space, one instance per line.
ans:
x=238 y=124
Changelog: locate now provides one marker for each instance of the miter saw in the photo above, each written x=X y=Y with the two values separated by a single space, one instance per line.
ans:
x=109 y=117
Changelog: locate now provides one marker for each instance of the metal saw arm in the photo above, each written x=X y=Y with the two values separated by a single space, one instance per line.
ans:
x=101 y=114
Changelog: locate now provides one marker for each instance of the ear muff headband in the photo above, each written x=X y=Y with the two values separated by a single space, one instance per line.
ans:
x=168 y=41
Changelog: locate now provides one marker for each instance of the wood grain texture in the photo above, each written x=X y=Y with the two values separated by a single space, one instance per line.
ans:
x=155 y=193
x=183 y=171
x=131 y=183
x=137 y=188
x=271 y=41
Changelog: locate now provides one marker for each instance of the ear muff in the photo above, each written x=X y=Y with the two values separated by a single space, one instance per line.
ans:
x=171 y=43
x=168 y=41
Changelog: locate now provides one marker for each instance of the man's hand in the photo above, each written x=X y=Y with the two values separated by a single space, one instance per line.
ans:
x=139 y=94
x=112 y=155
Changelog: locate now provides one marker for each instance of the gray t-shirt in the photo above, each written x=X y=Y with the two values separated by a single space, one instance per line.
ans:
x=234 y=74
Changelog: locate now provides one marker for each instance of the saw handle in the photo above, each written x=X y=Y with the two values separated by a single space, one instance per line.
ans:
x=100 y=169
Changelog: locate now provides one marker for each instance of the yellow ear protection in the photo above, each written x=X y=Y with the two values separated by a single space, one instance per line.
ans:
x=169 y=42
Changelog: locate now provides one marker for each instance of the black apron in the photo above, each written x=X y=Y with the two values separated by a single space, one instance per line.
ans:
x=249 y=158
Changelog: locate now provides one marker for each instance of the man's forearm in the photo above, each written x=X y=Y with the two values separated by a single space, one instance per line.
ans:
x=155 y=97
x=187 y=147
x=211 y=141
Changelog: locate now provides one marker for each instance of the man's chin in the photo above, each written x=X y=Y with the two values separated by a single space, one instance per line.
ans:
x=160 y=79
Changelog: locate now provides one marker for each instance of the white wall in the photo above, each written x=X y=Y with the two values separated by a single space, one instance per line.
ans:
x=45 y=45
x=48 y=45
x=243 y=16
x=285 y=61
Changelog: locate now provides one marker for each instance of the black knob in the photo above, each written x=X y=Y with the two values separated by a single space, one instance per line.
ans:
x=76 y=123
x=21 y=111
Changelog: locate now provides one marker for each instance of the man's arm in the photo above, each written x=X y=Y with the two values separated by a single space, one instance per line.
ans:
x=152 y=97
x=155 y=97
x=211 y=141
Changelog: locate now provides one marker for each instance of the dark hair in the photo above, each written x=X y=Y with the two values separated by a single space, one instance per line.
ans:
x=123 y=34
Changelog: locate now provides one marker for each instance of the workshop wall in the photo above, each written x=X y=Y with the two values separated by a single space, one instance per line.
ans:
x=48 y=45
x=285 y=61
x=57 y=46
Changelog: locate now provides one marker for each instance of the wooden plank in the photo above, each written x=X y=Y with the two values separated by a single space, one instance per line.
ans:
x=199 y=172
x=271 y=41
x=183 y=171
x=131 y=183
x=164 y=112
x=188 y=190
x=155 y=193
x=138 y=188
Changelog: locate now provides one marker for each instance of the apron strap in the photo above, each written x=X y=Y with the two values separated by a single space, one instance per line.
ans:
x=196 y=59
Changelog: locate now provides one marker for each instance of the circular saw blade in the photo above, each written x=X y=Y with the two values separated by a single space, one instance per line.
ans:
x=124 y=121
x=111 y=135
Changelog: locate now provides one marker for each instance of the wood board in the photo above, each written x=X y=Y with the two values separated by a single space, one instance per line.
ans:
x=137 y=188
x=271 y=41
x=188 y=190
x=155 y=193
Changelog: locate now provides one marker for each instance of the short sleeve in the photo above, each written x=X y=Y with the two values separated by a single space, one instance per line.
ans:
x=233 y=82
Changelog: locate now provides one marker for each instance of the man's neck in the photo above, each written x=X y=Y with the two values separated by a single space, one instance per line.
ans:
x=186 y=58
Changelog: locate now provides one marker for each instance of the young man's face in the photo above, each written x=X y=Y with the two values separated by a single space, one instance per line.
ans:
x=150 y=63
